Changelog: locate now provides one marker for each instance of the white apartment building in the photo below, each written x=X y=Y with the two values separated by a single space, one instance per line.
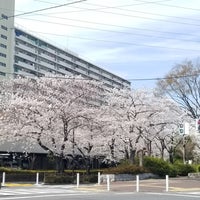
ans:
x=6 y=37
x=27 y=55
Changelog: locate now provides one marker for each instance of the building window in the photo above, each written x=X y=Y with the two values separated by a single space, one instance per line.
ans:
x=3 y=46
x=2 y=74
x=4 y=28
x=3 y=55
x=2 y=64
x=4 y=16
x=3 y=36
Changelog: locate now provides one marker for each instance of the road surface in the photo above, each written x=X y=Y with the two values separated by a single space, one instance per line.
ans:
x=72 y=193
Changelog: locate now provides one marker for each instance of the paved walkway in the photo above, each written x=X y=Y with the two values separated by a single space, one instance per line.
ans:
x=149 y=185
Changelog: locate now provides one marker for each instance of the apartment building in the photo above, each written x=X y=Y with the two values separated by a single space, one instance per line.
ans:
x=22 y=53
x=36 y=57
x=6 y=37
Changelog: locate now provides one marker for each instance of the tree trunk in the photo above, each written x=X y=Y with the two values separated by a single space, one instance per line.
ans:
x=171 y=157
x=31 y=160
x=149 y=147
x=60 y=164
x=87 y=159
x=126 y=154
x=132 y=156
x=112 y=148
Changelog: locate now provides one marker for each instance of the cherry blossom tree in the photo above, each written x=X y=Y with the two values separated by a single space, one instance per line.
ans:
x=142 y=119
x=128 y=109
x=49 y=110
x=71 y=115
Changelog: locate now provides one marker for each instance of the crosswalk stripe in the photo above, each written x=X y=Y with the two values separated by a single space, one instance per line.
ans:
x=19 y=191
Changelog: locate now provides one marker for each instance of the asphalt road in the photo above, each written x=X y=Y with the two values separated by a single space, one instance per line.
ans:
x=152 y=189
x=106 y=196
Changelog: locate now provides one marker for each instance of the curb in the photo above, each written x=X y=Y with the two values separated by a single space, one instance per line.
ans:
x=17 y=184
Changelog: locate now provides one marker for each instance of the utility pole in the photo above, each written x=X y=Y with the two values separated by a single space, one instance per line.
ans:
x=184 y=130
x=184 y=149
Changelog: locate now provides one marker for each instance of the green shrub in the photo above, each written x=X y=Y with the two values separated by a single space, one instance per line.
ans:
x=49 y=176
x=125 y=169
x=159 y=166
x=92 y=178
x=58 y=179
x=173 y=171
x=67 y=178
x=198 y=168
x=184 y=169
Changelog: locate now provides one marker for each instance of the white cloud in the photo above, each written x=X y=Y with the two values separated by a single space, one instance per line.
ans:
x=130 y=52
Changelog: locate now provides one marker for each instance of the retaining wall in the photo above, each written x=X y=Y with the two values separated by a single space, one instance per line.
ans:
x=126 y=177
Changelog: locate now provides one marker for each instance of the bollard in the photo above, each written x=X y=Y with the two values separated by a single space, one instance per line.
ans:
x=137 y=183
x=78 y=179
x=108 y=183
x=37 y=179
x=167 y=183
x=99 y=178
x=3 y=179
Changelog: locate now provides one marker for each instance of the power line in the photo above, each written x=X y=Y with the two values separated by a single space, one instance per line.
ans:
x=130 y=79
x=163 y=78
x=118 y=42
x=142 y=17
x=46 y=2
x=130 y=27
x=148 y=18
x=144 y=3
x=52 y=7
x=44 y=9
x=118 y=7
x=167 y=5
x=119 y=26
x=105 y=30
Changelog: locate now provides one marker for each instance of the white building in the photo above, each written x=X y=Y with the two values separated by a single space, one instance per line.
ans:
x=25 y=54
x=6 y=37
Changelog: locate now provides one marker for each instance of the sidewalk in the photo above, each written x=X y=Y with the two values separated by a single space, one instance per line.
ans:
x=149 y=185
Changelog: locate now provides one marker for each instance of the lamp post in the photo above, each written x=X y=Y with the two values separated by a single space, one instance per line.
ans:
x=184 y=130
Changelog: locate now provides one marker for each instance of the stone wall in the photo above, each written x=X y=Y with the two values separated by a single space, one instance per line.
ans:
x=126 y=177
x=194 y=175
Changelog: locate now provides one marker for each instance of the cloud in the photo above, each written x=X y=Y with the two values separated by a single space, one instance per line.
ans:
x=150 y=48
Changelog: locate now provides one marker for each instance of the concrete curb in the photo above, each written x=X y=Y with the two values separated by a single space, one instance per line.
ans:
x=17 y=184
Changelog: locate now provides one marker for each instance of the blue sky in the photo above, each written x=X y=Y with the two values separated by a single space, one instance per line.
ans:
x=135 y=39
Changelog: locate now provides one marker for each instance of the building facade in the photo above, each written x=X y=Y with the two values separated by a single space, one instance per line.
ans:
x=6 y=37
x=22 y=53
x=36 y=57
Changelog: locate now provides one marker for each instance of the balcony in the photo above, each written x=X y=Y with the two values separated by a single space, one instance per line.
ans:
x=66 y=57
x=81 y=71
x=23 y=73
x=51 y=58
x=65 y=72
x=24 y=56
x=25 y=48
x=25 y=65
x=106 y=81
x=109 y=76
x=94 y=76
x=62 y=63
x=46 y=48
x=94 y=70
x=81 y=64
x=47 y=65
x=25 y=39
